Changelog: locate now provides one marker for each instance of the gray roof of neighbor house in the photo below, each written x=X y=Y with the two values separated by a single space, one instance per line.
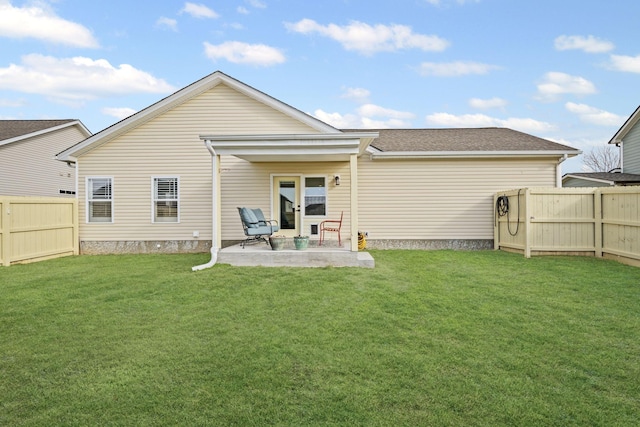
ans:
x=15 y=128
x=461 y=139
x=615 y=177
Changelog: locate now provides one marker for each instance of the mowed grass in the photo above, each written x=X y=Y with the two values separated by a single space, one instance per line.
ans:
x=436 y=338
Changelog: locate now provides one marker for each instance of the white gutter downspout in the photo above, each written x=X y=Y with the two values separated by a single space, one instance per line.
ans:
x=559 y=171
x=214 y=210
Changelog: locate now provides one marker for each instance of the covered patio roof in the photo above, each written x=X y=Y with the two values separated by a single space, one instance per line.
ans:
x=317 y=147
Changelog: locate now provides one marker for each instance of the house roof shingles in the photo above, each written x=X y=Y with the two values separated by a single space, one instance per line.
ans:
x=15 y=128
x=460 y=139
x=619 y=178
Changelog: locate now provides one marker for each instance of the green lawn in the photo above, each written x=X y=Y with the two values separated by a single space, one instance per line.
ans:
x=436 y=338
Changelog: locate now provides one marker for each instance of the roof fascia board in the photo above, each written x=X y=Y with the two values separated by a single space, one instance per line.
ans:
x=292 y=137
x=469 y=154
x=626 y=127
x=78 y=123
x=604 y=181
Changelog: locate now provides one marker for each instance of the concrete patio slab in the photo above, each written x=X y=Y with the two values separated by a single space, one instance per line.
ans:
x=262 y=255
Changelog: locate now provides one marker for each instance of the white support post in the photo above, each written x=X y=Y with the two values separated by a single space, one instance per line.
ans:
x=353 y=165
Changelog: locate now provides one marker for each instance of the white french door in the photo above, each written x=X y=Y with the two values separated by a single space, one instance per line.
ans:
x=286 y=203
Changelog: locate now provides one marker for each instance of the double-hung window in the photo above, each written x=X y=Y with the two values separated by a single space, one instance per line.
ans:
x=166 y=201
x=315 y=196
x=99 y=199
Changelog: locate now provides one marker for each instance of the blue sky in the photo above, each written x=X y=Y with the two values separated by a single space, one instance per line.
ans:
x=567 y=70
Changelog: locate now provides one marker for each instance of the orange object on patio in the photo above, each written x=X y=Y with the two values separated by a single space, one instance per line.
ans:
x=333 y=226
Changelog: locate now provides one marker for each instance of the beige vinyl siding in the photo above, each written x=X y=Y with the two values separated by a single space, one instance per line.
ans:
x=250 y=185
x=29 y=168
x=169 y=145
x=440 y=199
x=631 y=151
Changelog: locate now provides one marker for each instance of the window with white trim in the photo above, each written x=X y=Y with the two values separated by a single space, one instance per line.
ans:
x=166 y=202
x=315 y=196
x=99 y=199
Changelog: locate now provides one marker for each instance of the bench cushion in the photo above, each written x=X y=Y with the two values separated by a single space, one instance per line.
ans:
x=249 y=218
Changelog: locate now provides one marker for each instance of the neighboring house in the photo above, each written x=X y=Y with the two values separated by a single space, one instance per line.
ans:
x=599 y=179
x=169 y=178
x=28 y=166
x=628 y=139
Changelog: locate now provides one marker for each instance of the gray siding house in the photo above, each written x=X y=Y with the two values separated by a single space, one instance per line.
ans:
x=28 y=166
x=628 y=139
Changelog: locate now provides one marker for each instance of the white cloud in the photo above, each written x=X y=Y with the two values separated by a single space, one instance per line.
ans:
x=167 y=23
x=629 y=64
x=39 y=22
x=367 y=39
x=339 y=121
x=257 y=4
x=454 y=69
x=198 y=11
x=118 y=112
x=77 y=79
x=243 y=53
x=589 y=44
x=368 y=116
x=357 y=94
x=235 y=26
x=485 y=104
x=482 y=120
x=594 y=116
x=242 y=10
x=354 y=121
x=372 y=110
x=555 y=84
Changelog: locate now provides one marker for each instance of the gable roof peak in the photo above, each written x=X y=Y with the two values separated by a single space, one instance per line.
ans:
x=626 y=127
x=182 y=95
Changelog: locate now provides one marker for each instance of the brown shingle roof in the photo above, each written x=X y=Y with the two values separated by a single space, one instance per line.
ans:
x=15 y=128
x=466 y=139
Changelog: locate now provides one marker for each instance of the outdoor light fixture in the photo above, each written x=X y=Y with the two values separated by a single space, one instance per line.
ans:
x=336 y=178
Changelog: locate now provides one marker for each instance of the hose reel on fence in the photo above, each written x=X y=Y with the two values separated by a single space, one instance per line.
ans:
x=502 y=205
x=502 y=209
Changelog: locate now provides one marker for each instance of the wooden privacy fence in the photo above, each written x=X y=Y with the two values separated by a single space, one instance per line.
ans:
x=601 y=222
x=37 y=228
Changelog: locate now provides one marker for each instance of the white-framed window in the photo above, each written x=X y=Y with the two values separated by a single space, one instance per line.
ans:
x=315 y=196
x=166 y=199
x=99 y=199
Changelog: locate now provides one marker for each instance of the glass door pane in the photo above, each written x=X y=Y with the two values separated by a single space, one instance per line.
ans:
x=287 y=204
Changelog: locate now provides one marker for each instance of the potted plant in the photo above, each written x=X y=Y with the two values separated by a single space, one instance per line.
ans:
x=277 y=242
x=301 y=242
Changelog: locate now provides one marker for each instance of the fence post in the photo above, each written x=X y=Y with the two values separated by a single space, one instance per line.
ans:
x=76 y=226
x=496 y=224
x=5 y=233
x=527 y=224
x=597 y=223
